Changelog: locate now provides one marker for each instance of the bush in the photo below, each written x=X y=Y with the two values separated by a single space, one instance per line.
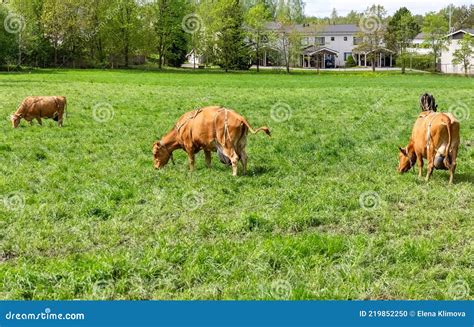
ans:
x=420 y=62
x=350 y=62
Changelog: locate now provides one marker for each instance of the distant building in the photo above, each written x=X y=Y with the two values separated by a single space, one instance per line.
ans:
x=327 y=46
x=417 y=45
x=445 y=64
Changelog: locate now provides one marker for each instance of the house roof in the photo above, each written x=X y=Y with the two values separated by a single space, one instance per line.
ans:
x=314 y=28
x=420 y=36
x=312 y=50
x=464 y=30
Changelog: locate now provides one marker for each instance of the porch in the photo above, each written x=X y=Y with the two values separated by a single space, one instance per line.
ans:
x=383 y=58
x=318 y=57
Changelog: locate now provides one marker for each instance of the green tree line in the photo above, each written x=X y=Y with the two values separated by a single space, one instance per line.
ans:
x=227 y=33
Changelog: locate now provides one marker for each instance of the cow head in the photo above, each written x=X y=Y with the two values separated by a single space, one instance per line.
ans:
x=428 y=103
x=15 y=118
x=161 y=155
x=407 y=159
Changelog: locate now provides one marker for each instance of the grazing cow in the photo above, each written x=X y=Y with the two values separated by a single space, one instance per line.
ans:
x=428 y=103
x=40 y=107
x=435 y=136
x=209 y=129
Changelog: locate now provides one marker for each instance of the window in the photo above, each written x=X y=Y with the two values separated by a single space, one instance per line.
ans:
x=346 y=55
x=332 y=38
x=320 y=40
x=345 y=38
x=356 y=40
x=305 y=41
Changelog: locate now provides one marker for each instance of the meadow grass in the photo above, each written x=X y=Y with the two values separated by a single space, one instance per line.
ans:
x=322 y=214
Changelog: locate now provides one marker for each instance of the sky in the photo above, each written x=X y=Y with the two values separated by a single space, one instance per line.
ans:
x=323 y=8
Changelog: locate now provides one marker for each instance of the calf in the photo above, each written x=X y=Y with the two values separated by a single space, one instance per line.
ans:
x=38 y=108
x=435 y=136
x=209 y=129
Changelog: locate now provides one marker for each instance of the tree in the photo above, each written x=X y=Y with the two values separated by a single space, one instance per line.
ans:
x=334 y=16
x=231 y=50
x=401 y=31
x=464 y=53
x=285 y=33
x=256 y=18
x=296 y=8
x=372 y=32
x=435 y=28
x=461 y=17
x=171 y=38
x=8 y=40
x=53 y=23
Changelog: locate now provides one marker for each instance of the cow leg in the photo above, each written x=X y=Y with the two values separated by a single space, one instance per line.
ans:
x=431 y=156
x=191 y=159
x=208 y=158
x=452 y=168
x=430 y=171
x=243 y=158
x=235 y=166
x=60 y=119
x=419 y=160
x=234 y=159
x=39 y=121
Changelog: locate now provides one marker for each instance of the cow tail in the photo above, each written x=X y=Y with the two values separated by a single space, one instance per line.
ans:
x=261 y=129
x=65 y=108
x=448 y=148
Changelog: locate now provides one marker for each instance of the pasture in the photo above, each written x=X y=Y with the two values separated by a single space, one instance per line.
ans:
x=322 y=214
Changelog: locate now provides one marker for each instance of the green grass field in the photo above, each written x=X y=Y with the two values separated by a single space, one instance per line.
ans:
x=323 y=213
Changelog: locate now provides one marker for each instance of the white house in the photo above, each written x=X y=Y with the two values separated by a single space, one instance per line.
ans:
x=417 y=45
x=446 y=61
x=326 y=46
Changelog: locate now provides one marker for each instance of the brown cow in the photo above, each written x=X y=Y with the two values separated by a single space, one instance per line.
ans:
x=209 y=129
x=40 y=107
x=435 y=136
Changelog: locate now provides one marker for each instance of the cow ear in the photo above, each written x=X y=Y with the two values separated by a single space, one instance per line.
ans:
x=403 y=151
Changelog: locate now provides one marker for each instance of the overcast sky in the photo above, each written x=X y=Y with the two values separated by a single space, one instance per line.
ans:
x=323 y=8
